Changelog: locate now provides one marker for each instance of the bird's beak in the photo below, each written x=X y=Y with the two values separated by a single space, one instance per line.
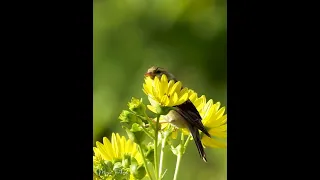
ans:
x=147 y=74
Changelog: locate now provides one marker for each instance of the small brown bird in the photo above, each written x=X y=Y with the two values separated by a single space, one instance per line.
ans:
x=186 y=115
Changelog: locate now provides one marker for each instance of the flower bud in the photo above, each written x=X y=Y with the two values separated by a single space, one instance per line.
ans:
x=128 y=117
x=138 y=172
x=137 y=106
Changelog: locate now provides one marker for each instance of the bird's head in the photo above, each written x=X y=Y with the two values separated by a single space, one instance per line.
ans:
x=158 y=71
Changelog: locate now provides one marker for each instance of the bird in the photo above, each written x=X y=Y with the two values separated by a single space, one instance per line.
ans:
x=184 y=115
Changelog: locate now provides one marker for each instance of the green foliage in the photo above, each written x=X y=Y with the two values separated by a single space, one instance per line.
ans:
x=128 y=117
x=135 y=134
x=138 y=171
x=137 y=106
x=186 y=37
x=150 y=152
x=109 y=170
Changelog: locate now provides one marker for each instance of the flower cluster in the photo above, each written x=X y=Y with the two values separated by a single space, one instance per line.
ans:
x=134 y=158
x=213 y=118
x=118 y=159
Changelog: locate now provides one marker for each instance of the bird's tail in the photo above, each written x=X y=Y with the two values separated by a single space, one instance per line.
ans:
x=196 y=136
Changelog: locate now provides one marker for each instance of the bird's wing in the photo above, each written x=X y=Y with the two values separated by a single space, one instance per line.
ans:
x=191 y=114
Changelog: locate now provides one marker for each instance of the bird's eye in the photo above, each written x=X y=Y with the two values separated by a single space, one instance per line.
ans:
x=157 y=71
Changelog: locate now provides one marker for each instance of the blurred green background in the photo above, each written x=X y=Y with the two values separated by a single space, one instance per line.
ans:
x=187 y=37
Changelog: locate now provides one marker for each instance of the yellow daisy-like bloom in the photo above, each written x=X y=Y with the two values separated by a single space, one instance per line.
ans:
x=213 y=118
x=116 y=149
x=164 y=93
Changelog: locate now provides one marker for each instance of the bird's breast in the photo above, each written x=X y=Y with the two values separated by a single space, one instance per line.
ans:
x=176 y=119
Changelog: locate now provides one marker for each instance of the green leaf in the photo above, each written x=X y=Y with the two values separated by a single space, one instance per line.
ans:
x=163 y=110
x=126 y=161
x=138 y=172
x=129 y=118
x=150 y=155
x=137 y=106
x=176 y=150
x=135 y=128
x=149 y=149
x=136 y=134
x=117 y=165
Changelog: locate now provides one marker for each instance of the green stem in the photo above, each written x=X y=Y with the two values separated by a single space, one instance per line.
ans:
x=156 y=148
x=187 y=141
x=149 y=120
x=146 y=131
x=144 y=161
x=163 y=143
x=177 y=166
x=182 y=138
x=181 y=152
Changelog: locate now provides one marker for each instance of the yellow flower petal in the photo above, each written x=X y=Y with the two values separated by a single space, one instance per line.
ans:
x=199 y=103
x=128 y=145
x=217 y=106
x=103 y=151
x=171 y=101
x=170 y=84
x=165 y=100
x=163 y=125
x=174 y=134
x=122 y=146
x=157 y=84
x=220 y=131
x=213 y=123
x=207 y=114
x=210 y=142
x=220 y=112
x=203 y=101
x=146 y=89
x=175 y=98
x=154 y=94
x=115 y=145
x=108 y=146
x=206 y=108
x=152 y=108
x=176 y=87
x=148 y=85
x=96 y=150
x=164 y=84
x=97 y=155
x=185 y=131
x=152 y=101
x=149 y=80
x=215 y=117
x=223 y=119
x=134 y=149
x=183 y=92
x=182 y=99
x=193 y=97
x=219 y=134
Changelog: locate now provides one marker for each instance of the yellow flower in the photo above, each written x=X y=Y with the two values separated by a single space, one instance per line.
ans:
x=116 y=150
x=164 y=93
x=213 y=118
x=97 y=156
